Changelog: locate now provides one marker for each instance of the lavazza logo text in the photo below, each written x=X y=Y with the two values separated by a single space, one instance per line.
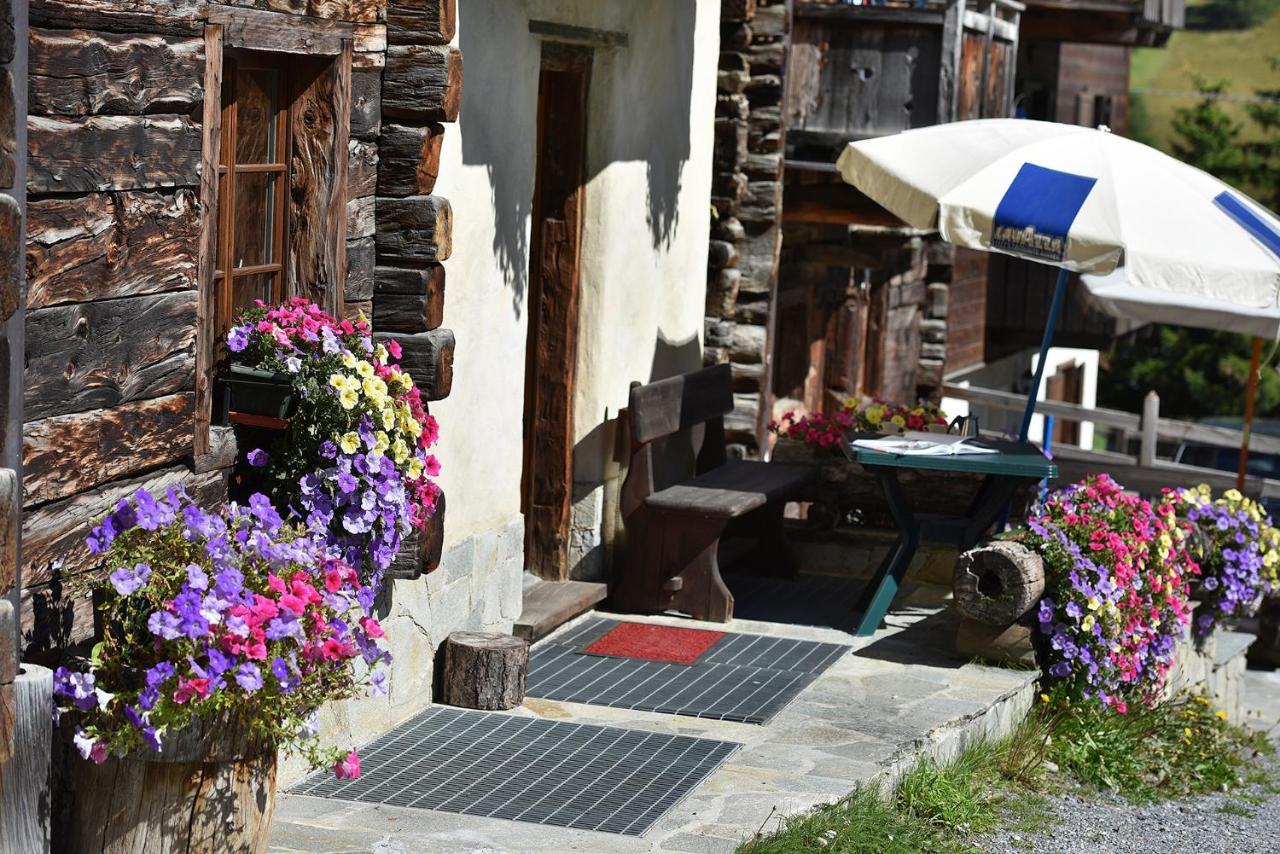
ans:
x=1028 y=241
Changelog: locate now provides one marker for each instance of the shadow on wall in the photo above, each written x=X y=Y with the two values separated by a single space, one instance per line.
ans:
x=639 y=111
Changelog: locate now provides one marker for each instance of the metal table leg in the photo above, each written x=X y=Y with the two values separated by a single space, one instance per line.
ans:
x=880 y=592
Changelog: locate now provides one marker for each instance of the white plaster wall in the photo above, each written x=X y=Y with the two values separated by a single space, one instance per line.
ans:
x=650 y=123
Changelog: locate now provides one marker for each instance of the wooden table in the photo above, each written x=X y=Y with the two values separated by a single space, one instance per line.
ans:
x=1016 y=464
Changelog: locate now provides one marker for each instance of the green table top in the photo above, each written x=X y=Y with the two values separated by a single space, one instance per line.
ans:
x=1015 y=459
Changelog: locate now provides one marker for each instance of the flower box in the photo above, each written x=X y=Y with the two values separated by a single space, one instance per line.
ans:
x=256 y=392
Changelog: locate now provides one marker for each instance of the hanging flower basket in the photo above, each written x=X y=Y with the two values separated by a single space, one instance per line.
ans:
x=254 y=391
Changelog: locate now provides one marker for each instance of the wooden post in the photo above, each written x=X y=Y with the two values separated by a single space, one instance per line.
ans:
x=1250 y=397
x=1150 y=422
x=485 y=670
x=24 y=779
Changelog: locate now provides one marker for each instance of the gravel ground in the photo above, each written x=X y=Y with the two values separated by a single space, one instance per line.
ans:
x=1192 y=826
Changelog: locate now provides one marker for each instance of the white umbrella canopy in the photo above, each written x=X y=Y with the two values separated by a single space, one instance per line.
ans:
x=1162 y=240
x=1082 y=199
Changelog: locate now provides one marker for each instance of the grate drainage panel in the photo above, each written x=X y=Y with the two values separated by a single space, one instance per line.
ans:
x=527 y=769
x=745 y=678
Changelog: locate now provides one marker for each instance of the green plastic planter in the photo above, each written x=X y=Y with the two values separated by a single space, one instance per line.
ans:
x=257 y=392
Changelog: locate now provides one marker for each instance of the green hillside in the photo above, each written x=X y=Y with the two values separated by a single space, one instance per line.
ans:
x=1238 y=56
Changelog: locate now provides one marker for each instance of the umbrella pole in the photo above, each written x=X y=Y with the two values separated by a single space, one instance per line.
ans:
x=1055 y=312
x=1251 y=395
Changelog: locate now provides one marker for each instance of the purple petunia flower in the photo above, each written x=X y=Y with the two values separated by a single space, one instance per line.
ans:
x=249 y=677
x=237 y=339
x=128 y=581
x=258 y=458
x=164 y=625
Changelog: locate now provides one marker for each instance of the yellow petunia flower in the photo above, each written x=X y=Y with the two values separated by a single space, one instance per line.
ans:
x=364 y=369
x=350 y=443
x=348 y=360
x=348 y=399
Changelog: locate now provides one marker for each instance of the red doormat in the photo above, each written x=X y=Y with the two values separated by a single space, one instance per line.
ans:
x=655 y=643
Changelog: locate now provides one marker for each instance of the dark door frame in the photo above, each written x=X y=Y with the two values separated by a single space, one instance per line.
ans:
x=555 y=254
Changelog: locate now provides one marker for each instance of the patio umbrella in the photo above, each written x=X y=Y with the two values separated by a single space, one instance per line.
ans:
x=1082 y=200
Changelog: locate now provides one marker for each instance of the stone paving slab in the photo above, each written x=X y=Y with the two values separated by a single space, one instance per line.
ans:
x=867 y=717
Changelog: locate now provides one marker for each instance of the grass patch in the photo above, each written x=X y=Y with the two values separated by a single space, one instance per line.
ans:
x=1233 y=808
x=1179 y=748
x=1175 y=749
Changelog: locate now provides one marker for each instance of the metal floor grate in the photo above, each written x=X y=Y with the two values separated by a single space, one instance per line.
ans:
x=747 y=678
x=528 y=769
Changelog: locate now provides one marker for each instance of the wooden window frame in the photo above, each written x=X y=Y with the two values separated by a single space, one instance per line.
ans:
x=314 y=43
x=225 y=273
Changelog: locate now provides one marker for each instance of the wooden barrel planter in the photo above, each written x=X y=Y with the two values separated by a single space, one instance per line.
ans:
x=210 y=790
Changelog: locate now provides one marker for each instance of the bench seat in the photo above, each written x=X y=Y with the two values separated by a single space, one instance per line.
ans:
x=732 y=490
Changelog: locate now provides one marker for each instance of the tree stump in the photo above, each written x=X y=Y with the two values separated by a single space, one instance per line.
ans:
x=998 y=582
x=483 y=670
x=999 y=644
x=210 y=789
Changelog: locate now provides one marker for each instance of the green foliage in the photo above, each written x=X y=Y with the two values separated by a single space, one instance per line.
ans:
x=1229 y=14
x=1197 y=373
x=1177 y=748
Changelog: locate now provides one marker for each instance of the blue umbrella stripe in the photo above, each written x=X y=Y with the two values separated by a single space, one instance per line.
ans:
x=1263 y=231
x=1035 y=215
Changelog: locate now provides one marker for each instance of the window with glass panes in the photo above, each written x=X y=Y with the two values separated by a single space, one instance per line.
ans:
x=253 y=181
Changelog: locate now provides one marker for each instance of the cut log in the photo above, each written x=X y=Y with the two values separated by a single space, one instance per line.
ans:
x=484 y=670
x=428 y=358
x=418 y=228
x=7 y=38
x=171 y=17
x=366 y=103
x=409 y=159
x=422 y=21
x=110 y=245
x=737 y=10
x=99 y=354
x=422 y=83
x=361 y=218
x=422 y=549
x=24 y=779
x=205 y=791
x=105 y=444
x=8 y=129
x=362 y=169
x=996 y=644
x=998 y=582
x=361 y=263
x=81 y=73
x=408 y=299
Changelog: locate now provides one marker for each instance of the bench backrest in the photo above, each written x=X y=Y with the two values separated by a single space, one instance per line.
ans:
x=677 y=431
x=679 y=403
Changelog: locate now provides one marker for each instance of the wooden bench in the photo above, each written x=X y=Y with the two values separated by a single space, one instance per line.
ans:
x=682 y=494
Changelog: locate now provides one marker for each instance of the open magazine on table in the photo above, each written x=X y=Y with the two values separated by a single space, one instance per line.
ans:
x=916 y=444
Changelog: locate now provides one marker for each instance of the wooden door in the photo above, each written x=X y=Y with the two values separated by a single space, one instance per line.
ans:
x=554 y=272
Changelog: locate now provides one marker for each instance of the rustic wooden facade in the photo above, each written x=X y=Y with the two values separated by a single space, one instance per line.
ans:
x=124 y=156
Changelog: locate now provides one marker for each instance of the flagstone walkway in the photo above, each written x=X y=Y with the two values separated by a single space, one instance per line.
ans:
x=896 y=695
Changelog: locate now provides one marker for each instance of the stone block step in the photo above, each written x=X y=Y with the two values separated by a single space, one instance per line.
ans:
x=550 y=604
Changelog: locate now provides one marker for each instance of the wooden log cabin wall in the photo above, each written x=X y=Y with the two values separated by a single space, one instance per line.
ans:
x=747 y=201
x=125 y=138
x=862 y=300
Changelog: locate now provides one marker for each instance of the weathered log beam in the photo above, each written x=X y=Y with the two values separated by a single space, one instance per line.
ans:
x=422 y=83
x=53 y=534
x=80 y=155
x=95 y=355
x=105 y=444
x=169 y=17
x=421 y=21
x=737 y=10
x=10 y=256
x=362 y=169
x=428 y=358
x=409 y=159
x=408 y=299
x=414 y=229
x=80 y=73
x=10 y=510
x=24 y=792
x=105 y=246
